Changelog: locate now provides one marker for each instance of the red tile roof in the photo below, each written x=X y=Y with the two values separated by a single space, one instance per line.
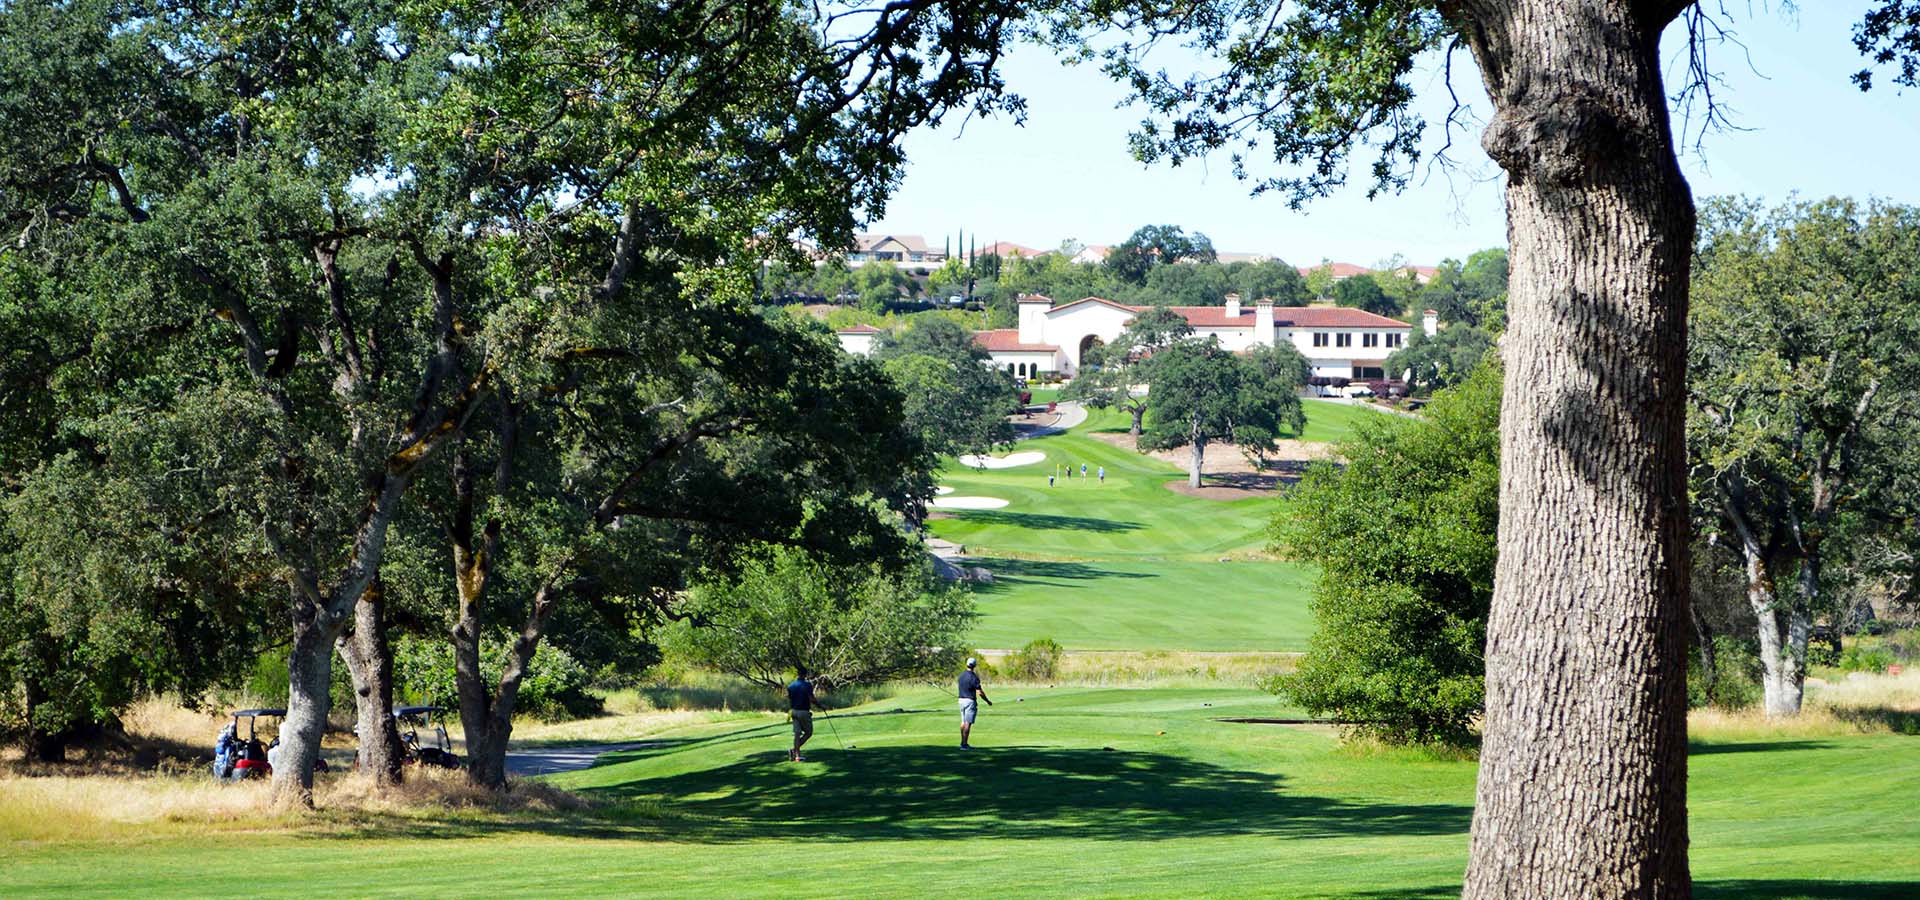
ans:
x=1009 y=248
x=1283 y=316
x=1007 y=340
x=1331 y=317
x=859 y=329
x=1338 y=270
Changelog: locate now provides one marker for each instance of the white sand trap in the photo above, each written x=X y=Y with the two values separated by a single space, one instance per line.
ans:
x=968 y=503
x=942 y=491
x=1002 y=462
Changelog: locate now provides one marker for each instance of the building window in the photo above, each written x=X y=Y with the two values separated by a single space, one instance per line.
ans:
x=1343 y=340
x=1369 y=340
x=1319 y=339
x=1393 y=340
x=1369 y=372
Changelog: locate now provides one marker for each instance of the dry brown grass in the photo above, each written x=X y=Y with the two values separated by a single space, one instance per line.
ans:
x=1856 y=703
x=1163 y=668
x=108 y=807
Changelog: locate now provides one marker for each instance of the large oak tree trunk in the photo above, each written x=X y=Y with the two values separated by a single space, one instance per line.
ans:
x=1199 y=463
x=309 y=677
x=487 y=715
x=1582 y=788
x=369 y=659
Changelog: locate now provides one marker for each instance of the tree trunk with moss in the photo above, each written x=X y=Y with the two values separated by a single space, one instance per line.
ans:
x=369 y=659
x=1582 y=788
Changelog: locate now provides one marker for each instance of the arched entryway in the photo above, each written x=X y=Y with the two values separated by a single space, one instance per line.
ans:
x=1088 y=344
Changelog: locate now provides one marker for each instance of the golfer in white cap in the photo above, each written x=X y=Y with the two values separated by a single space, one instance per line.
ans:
x=969 y=688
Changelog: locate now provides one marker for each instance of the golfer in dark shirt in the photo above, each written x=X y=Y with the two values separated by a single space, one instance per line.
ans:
x=969 y=688
x=800 y=704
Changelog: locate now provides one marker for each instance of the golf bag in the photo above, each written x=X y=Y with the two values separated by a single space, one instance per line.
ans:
x=225 y=750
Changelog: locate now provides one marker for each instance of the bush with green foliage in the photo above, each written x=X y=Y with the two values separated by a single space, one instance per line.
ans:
x=1404 y=535
x=847 y=624
x=1736 y=675
x=1039 y=660
x=1865 y=659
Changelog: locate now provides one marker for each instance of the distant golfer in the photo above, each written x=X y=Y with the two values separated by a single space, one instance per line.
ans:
x=801 y=703
x=969 y=688
x=1103 y=474
x=1083 y=470
x=1049 y=481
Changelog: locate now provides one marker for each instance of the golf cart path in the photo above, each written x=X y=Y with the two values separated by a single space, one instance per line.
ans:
x=548 y=760
x=1067 y=414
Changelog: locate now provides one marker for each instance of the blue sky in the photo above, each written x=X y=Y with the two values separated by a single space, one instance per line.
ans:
x=1066 y=173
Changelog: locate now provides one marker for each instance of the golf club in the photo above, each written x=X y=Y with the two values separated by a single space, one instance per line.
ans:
x=836 y=732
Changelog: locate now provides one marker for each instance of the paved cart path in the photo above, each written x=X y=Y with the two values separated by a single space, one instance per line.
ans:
x=548 y=760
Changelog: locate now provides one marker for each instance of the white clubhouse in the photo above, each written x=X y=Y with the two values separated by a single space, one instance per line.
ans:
x=1338 y=342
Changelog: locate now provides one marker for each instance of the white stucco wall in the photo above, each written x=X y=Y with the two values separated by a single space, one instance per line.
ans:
x=857 y=344
x=1067 y=327
x=1040 y=361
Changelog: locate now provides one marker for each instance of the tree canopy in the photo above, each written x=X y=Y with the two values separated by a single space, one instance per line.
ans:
x=1405 y=538
x=1203 y=394
x=1802 y=389
x=1153 y=246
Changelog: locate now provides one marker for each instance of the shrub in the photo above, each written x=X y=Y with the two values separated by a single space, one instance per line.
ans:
x=1404 y=536
x=555 y=686
x=1865 y=659
x=1737 y=673
x=1039 y=660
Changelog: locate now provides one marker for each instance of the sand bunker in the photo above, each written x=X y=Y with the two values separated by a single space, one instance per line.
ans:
x=1002 y=462
x=968 y=503
x=942 y=491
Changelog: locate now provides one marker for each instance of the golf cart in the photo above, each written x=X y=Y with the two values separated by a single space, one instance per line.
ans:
x=237 y=758
x=436 y=749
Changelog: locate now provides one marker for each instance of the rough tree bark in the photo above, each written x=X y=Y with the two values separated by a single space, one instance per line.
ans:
x=1582 y=788
x=1199 y=461
x=369 y=659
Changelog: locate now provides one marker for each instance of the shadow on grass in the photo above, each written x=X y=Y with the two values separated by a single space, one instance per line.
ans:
x=1016 y=792
x=897 y=793
x=1898 y=721
x=1023 y=569
x=1805 y=889
x=1709 y=748
x=1047 y=522
x=943 y=793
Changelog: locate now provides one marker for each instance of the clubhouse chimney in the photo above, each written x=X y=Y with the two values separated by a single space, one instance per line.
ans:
x=1033 y=317
x=1233 y=306
x=1263 y=321
x=1430 y=323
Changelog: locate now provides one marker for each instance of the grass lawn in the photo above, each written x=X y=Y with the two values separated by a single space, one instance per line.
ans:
x=1045 y=394
x=1328 y=421
x=1130 y=515
x=1081 y=792
x=1135 y=605
x=1126 y=564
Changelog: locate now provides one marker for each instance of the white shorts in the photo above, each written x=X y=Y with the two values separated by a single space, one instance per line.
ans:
x=967 y=710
